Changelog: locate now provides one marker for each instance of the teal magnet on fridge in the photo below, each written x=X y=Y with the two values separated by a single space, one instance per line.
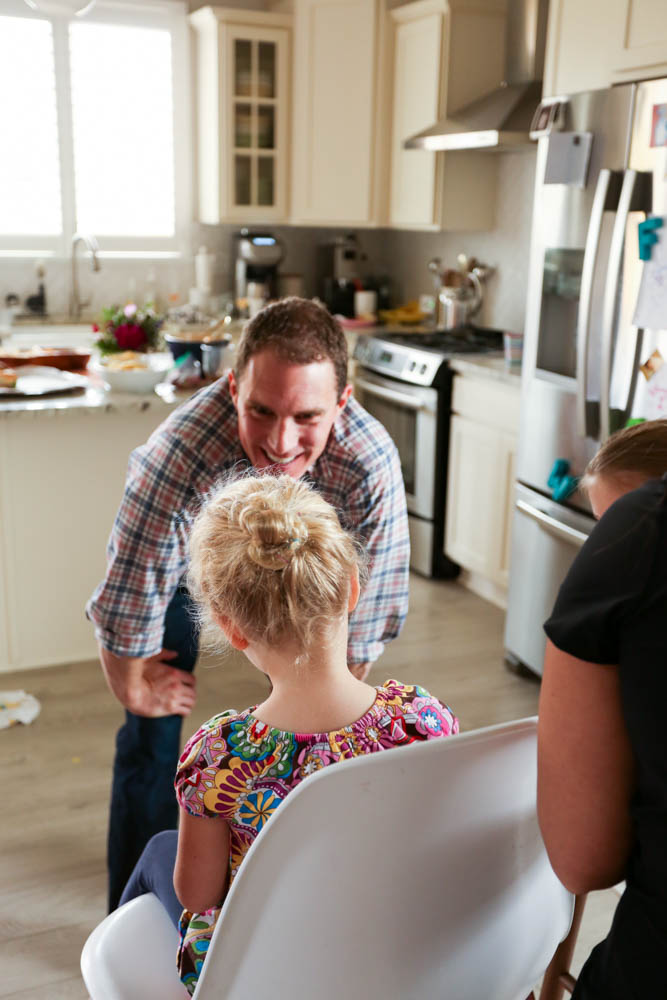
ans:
x=648 y=236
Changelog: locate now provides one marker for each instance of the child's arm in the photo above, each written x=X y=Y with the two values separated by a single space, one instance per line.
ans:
x=202 y=862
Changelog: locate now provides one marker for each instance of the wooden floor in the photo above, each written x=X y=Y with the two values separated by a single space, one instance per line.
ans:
x=56 y=776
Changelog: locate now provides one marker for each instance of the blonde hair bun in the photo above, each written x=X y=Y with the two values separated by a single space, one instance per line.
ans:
x=274 y=534
x=269 y=554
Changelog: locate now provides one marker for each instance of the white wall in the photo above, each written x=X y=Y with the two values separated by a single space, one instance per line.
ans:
x=403 y=255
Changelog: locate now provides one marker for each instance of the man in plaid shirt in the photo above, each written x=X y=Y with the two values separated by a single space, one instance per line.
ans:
x=287 y=406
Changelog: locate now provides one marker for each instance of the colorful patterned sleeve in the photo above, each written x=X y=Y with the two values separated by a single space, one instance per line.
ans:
x=210 y=777
x=430 y=717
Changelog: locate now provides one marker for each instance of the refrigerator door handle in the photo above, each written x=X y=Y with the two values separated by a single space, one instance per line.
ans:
x=552 y=525
x=635 y=197
x=606 y=197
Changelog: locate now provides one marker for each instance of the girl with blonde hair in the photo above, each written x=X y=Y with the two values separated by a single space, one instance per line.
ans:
x=273 y=573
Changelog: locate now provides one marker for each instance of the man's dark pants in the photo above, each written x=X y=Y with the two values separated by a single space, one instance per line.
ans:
x=143 y=801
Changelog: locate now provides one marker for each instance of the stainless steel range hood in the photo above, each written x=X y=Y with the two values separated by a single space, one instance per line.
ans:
x=500 y=120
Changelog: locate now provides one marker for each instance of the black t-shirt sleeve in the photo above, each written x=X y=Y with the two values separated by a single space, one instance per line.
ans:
x=605 y=584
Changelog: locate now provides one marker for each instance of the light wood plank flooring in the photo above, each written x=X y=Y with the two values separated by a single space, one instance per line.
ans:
x=56 y=776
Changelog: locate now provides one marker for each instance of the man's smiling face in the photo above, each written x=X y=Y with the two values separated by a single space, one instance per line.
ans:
x=285 y=411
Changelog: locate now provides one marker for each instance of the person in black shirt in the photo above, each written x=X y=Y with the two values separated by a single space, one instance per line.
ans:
x=602 y=737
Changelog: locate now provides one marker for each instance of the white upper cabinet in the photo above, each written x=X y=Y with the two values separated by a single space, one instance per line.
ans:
x=336 y=51
x=446 y=53
x=594 y=43
x=242 y=63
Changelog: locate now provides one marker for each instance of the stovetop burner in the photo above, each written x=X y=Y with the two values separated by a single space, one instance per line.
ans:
x=462 y=340
x=421 y=357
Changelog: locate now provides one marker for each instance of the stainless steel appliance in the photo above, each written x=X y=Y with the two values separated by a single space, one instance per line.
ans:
x=404 y=380
x=256 y=259
x=600 y=169
x=341 y=265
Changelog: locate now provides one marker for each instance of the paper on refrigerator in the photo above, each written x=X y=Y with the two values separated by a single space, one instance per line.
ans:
x=651 y=308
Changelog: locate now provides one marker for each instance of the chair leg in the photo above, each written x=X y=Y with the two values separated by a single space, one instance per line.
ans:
x=557 y=978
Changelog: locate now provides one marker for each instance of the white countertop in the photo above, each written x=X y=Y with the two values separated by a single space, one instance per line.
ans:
x=491 y=366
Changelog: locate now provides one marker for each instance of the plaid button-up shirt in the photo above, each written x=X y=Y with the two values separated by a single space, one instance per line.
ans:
x=358 y=473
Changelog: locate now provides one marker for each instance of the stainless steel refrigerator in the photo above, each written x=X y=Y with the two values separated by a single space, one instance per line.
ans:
x=601 y=168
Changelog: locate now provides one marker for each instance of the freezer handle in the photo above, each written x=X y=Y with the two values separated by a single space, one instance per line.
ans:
x=606 y=197
x=551 y=524
x=635 y=197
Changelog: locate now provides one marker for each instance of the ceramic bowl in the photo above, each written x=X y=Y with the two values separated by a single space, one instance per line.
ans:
x=140 y=380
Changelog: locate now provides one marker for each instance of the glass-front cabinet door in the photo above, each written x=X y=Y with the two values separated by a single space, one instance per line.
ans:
x=242 y=64
x=256 y=134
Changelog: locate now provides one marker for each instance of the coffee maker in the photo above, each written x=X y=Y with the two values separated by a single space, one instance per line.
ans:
x=256 y=259
x=341 y=264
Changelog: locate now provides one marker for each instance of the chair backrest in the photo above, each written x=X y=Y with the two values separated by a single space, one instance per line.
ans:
x=416 y=872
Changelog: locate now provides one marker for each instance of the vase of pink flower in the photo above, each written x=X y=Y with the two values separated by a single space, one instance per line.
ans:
x=128 y=328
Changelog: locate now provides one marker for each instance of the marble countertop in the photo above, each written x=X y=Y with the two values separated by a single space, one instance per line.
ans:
x=491 y=366
x=94 y=397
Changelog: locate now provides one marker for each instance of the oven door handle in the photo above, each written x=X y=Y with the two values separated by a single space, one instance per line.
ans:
x=392 y=396
x=552 y=525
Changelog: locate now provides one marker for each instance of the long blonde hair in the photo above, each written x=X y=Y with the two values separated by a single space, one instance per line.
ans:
x=269 y=554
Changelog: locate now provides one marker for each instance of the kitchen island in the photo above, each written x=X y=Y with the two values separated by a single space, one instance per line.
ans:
x=62 y=469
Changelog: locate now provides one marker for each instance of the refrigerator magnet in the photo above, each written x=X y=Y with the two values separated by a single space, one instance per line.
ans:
x=653 y=365
x=659 y=125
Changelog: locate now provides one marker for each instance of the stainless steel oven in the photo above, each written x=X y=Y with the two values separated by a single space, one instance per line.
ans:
x=403 y=380
x=410 y=415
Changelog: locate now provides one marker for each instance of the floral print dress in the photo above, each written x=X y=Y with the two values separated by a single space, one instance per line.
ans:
x=240 y=769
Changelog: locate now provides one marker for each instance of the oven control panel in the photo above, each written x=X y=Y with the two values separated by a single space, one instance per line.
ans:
x=405 y=363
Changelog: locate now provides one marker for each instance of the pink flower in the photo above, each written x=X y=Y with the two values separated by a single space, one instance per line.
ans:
x=129 y=337
x=96 y=328
x=130 y=309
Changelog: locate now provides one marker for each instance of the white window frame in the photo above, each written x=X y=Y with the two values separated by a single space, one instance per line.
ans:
x=169 y=14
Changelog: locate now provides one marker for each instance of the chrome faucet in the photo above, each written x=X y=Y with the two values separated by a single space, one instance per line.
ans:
x=75 y=304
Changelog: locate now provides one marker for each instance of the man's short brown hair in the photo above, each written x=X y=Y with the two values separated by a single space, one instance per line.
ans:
x=299 y=331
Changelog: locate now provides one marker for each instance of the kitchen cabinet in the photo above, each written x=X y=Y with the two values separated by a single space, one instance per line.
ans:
x=594 y=43
x=337 y=47
x=446 y=53
x=242 y=100
x=480 y=482
x=62 y=471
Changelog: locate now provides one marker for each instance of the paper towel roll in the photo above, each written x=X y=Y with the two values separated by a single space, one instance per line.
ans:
x=204 y=262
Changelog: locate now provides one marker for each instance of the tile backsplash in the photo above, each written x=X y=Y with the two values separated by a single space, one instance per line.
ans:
x=401 y=254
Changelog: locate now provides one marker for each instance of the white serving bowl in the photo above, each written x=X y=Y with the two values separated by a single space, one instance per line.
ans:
x=141 y=380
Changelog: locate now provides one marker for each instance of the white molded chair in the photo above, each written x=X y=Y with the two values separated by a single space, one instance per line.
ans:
x=414 y=874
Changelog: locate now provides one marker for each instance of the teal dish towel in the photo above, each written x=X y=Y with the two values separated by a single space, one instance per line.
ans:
x=560 y=482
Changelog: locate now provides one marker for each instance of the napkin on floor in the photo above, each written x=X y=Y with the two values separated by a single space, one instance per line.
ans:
x=17 y=706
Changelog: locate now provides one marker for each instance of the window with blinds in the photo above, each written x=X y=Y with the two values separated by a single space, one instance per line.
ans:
x=91 y=108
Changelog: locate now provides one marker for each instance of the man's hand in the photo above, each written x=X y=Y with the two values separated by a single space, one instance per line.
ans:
x=360 y=670
x=149 y=686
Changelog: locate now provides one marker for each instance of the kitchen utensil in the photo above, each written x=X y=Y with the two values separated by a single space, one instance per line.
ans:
x=458 y=304
x=65 y=358
x=34 y=380
x=216 y=358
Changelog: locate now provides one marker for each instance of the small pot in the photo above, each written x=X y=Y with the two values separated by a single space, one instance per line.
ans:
x=216 y=358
